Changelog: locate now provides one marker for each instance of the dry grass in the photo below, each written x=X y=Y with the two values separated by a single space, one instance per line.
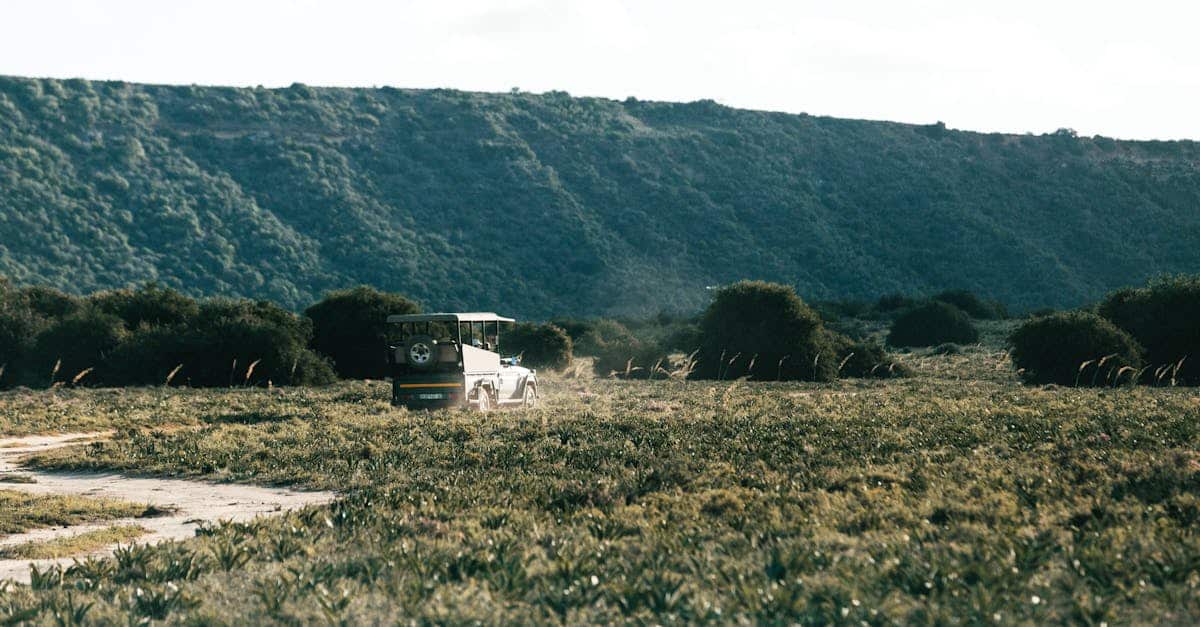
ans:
x=21 y=511
x=79 y=544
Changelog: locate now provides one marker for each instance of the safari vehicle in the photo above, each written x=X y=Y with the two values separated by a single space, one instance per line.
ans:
x=453 y=360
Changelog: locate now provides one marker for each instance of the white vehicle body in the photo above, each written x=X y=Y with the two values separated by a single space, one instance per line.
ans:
x=453 y=359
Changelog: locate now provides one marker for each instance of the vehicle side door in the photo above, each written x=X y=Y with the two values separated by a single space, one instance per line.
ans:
x=510 y=381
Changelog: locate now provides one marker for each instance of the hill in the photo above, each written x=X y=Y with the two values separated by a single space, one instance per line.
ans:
x=548 y=204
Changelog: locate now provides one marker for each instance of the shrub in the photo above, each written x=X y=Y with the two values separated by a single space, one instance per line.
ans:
x=836 y=310
x=632 y=358
x=949 y=348
x=892 y=304
x=217 y=347
x=245 y=332
x=350 y=327
x=1165 y=319
x=19 y=328
x=602 y=335
x=149 y=354
x=540 y=345
x=51 y=303
x=865 y=359
x=972 y=305
x=931 y=324
x=684 y=337
x=77 y=342
x=764 y=331
x=149 y=304
x=573 y=327
x=1073 y=348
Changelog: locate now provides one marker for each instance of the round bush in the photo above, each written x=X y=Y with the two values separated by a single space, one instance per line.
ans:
x=865 y=359
x=540 y=345
x=763 y=331
x=1164 y=318
x=949 y=348
x=350 y=327
x=1074 y=348
x=972 y=305
x=931 y=324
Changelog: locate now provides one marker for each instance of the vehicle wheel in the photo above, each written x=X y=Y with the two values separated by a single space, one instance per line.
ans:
x=421 y=352
x=530 y=396
x=485 y=401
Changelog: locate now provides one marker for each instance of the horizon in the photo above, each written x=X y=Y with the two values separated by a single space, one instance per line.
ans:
x=1020 y=68
x=545 y=93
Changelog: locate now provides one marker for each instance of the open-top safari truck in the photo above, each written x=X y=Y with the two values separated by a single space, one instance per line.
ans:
x=453 y=360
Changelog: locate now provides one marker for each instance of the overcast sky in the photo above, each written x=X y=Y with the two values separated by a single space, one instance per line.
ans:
x=1126 y=69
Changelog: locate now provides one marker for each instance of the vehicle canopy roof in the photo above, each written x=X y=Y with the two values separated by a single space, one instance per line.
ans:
x=474 y=316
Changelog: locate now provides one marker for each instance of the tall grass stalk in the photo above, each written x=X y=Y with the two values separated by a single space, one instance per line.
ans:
x=1175 y=369
x=250 y=371
x=82 y=373
x=1082 y=367
x=1120 y=372
x=656 y=368
x=1099 y=365
x=171 y=375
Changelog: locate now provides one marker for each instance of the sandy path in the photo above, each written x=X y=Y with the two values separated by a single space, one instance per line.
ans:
x=195 y=501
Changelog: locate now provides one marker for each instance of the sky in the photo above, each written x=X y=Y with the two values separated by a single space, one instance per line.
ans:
x=1122 y=69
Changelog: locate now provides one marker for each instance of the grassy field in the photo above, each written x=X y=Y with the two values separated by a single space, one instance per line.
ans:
x=68 y=546
x=955 y=496
x=20 y=511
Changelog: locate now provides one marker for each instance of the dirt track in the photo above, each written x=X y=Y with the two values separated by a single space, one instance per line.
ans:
x=193 y=501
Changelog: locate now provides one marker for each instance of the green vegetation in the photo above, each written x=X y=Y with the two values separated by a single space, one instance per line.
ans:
x=540 y=345
x=765 y=332
x=78 y=544
x=350 y=327
x=931 y=324
x=1075 y=348
x=952 y=496
x=150 y=336
x=539 y=205
x=20 y=511
x=972 y=305
x=1164 y=318
x=865 y=359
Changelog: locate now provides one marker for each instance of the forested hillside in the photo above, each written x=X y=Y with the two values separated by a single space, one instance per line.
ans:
x=539 y=205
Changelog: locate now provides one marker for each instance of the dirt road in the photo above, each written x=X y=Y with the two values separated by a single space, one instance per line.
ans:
x=192 y=501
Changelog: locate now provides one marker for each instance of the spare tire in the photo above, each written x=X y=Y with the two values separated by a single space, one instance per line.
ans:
x=421 y=352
